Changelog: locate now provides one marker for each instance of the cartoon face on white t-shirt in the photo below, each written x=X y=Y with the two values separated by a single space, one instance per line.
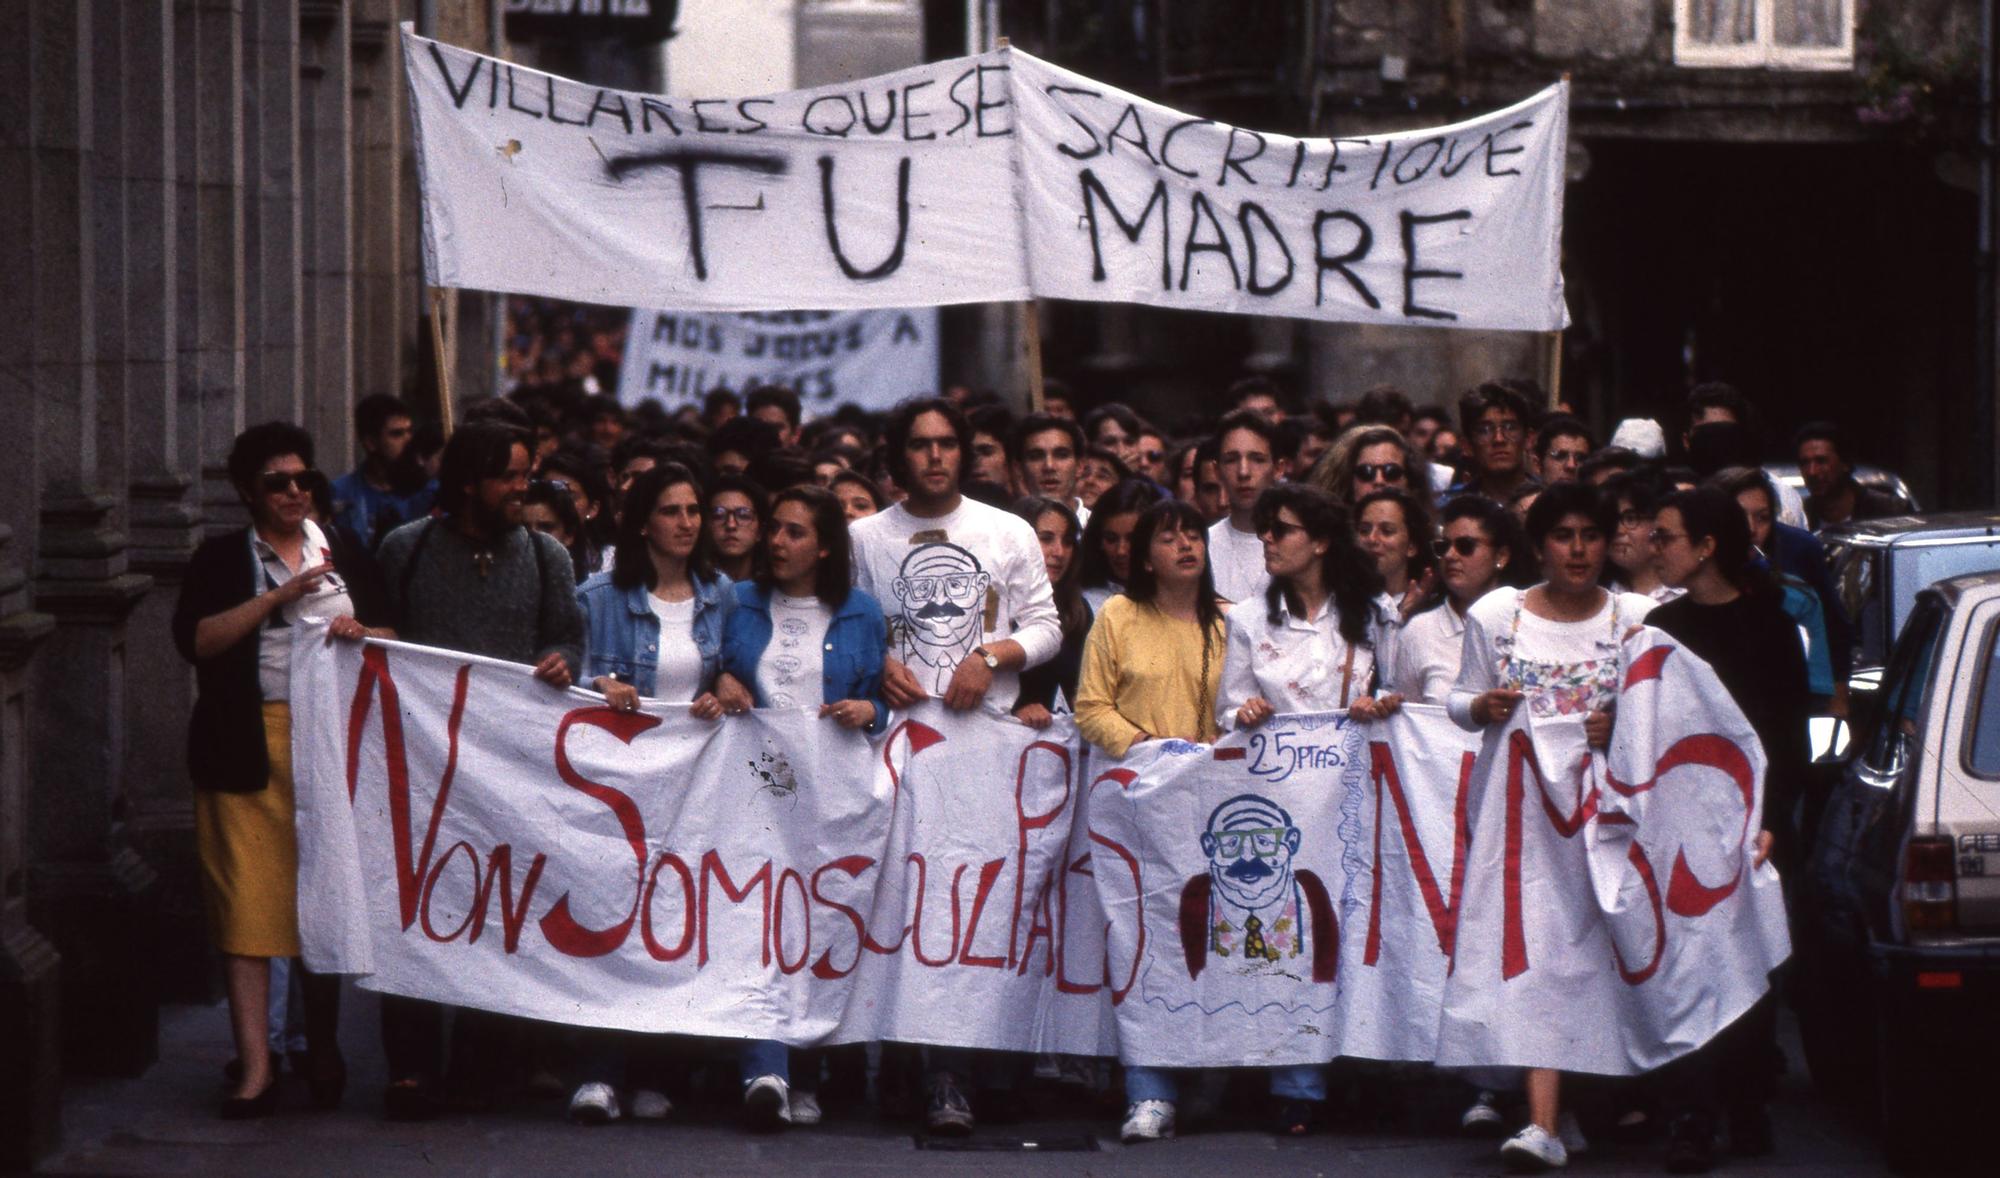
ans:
x=941 y=593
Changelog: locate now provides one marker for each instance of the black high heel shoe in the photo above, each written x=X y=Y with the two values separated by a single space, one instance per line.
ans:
x=250 y=1108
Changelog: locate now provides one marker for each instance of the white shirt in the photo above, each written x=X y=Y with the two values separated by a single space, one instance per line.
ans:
x=677 y=675
x=789 y=672
x=328 y=600
x=1425 y=664
x=950 y=583
x=1295 y=665
x=1237 y=561
x=1563 y=668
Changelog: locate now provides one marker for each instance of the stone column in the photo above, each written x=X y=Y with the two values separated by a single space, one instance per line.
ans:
x=273 y=368
x=326 y=186
x=164 y=517
x=382 y=309
x=86 y=891
x=30 y=1052
x=217 y=161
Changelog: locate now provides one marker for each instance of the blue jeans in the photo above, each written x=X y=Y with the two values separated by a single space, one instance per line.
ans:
x=1292 y=1082
x=764 y=1057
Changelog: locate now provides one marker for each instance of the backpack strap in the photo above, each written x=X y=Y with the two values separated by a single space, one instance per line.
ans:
x=410 y=569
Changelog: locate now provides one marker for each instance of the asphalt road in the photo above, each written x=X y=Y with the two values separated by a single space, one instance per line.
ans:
x=163 y=1123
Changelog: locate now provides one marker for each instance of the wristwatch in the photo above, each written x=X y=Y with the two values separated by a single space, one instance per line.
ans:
x=991 y=660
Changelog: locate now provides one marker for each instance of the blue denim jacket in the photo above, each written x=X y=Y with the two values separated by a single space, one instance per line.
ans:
x=852 y=658
x=622 y=633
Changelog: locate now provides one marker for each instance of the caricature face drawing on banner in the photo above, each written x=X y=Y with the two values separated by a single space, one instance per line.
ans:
x=1253 y=909
x=942 y=591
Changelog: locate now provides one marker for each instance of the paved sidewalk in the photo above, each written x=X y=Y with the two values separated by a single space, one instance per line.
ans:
x=164 y=1123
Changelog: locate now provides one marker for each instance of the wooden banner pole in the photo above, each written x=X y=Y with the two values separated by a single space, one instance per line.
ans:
x=440 y=339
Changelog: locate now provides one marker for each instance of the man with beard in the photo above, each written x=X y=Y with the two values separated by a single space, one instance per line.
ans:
x=473 y=580
x=389 y=488
x=969 y=607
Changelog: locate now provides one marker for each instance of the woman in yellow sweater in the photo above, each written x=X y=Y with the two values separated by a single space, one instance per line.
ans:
x=1153 y=660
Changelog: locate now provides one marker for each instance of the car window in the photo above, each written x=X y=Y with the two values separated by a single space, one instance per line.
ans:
x=1906 y=687
x=1921 y=565
x=1855 y=579
x=1982 y=754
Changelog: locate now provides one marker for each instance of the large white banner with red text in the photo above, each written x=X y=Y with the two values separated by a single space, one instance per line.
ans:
x=1309 y=889
x=998 y=177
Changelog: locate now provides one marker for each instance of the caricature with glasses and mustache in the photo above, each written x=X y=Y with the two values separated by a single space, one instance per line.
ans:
x=1252 y=908
x=942 y=590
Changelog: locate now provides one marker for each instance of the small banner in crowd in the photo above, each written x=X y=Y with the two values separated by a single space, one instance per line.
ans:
x=868 y=358
x=991 y=178
x=1309 y=889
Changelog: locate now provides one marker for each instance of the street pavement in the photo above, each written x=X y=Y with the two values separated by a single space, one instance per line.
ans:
x=164 y=1123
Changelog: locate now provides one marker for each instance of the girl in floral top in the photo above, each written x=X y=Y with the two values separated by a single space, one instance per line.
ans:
x=1553 y=648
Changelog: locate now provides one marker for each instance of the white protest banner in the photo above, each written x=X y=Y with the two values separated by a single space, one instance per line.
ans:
x=897 y=191
x=1129 y=201
x=469 y=835
x=1221 y=872
x=979 y=179
x=871 y=358
x=1611 y=919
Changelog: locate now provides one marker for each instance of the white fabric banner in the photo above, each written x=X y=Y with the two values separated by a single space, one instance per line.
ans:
x=868 y=358
x=978 y=179
x=1309 y=889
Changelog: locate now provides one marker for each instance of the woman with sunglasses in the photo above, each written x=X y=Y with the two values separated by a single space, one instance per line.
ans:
x=1152 y=667
x=1309 y=646
x=1370 y=458
x=1732 y=616
x=1481 y=550
x=653 y=628
x=1554 y=650
x=245 y=592
x=736 y=515
x=801 y=637
x=1106 y=555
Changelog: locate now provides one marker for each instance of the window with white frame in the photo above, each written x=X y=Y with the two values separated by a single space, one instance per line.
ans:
x=1759 y=34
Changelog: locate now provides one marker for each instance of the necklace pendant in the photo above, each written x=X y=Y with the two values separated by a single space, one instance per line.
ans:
x=483 y=561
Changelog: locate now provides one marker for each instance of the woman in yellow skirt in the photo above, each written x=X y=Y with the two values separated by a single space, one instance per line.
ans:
x=245 y=592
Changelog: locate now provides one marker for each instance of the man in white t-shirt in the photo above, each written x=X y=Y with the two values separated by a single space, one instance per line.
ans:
x=1249 y=463
x=969 y=608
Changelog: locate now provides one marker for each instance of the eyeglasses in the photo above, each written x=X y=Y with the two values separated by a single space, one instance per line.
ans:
x=1506 y=429
x=741 y=515
x=1151 y=456
x=278 y=482
x=550 y=485
x=1660 y=537
x=1463 y=545
x=1278 y=530
x=1631 y=519
x=1387 y=472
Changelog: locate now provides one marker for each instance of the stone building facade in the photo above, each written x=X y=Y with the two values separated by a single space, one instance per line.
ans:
x=209 y=222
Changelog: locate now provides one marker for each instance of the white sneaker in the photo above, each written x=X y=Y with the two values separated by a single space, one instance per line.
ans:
x=593 y=1104
x=805 y=1108
x=1571 y=1133
x=650 y=1105
x=1147 y=1120
x=1533 y=1150
x=767 y=1104
x=1482 y=1119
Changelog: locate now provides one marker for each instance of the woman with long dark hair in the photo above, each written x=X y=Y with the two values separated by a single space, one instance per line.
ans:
x=1732 y=616
x=1052 y=685
x=1106 y=555
x=1395 y=528
x=1481 y=549
x=1152 y=667
x=1311 y=644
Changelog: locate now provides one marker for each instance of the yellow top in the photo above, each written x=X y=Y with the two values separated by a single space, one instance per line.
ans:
x=1144 y=672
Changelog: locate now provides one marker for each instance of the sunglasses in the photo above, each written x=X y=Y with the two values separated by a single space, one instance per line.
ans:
x=1279 y=530
x=741 y=515
x=1463 y=545
x=278 y=482
x=1387 y=472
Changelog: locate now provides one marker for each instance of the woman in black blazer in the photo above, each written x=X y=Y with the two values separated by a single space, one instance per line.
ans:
x=245 y=591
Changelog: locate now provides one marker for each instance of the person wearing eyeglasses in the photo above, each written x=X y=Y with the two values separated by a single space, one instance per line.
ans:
x=653 y=630
x=1494 y=421
x=1552 y=649
x=1629 y=561
x=244 y=593
x=1370 y=458
x=1479 y=551
x=735 y=523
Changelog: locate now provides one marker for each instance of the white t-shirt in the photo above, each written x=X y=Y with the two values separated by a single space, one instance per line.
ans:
x=950 y=583
x=328 y=600
x=1237 y=561
x=677 y=674
x=789 y=672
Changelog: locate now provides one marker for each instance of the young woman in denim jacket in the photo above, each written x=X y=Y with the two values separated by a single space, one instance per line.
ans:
x=801 y=637
x=652 y=628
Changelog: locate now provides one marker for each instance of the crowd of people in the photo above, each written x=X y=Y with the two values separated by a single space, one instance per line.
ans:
x=1155 y=584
